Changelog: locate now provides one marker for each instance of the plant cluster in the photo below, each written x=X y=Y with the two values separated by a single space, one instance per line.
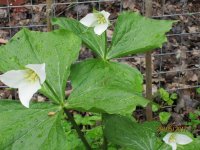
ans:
x=45 y=61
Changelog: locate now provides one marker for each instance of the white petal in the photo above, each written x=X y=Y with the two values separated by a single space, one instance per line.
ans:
x=105 y=14
x=166 y=138
x=99 y=29
x=39 y=69
x=26 y=91
x=13 y=78
x=89 y=20
x=183 y=139
x=173 y=145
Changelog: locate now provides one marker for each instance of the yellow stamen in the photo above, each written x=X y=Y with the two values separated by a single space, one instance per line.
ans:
x=31 y=75
x=172 y=138
x=101 y=19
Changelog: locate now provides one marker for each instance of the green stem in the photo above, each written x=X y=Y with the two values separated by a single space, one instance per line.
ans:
x=55 y=98
x=105 y=142
x=105 y=45
x=80 y=133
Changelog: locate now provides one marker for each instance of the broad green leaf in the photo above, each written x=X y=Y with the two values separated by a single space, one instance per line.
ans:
x=131 y=135
x=164 y=146
x=93 y=41
x=135 y=34
x=57 y=49
x=32 y=128
x=101 y=86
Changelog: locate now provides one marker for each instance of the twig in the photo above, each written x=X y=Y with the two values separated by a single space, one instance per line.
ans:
x=148 y=58
x=48 y=11
x=80 y=133
x=168 y=106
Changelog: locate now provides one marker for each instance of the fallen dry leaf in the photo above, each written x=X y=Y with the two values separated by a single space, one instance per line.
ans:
x=51 y=113
x=12 y=2
x=2 y=41
x=193 y=29
x=193 y=78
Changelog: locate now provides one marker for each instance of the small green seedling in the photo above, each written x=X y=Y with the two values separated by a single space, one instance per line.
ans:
x=167 y=97
x=198 y=91
x=164 y=117
x=194 y=119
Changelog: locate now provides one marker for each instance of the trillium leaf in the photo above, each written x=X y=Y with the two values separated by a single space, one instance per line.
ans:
x=93 y=41
x=135 y=34
x=32 y=128
x=101 y=86
x=57 y=49
x=123 y=131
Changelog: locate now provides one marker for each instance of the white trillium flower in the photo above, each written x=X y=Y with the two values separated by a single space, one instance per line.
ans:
x=174 y=138
x=98 y=20
x=27 y=81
